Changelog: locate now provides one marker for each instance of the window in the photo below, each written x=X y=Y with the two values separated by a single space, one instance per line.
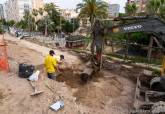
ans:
x=26 y=6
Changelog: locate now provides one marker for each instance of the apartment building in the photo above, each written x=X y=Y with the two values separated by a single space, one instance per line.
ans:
x=15 y=9
x=36 y=4
x=1 y=11
x=114 y=10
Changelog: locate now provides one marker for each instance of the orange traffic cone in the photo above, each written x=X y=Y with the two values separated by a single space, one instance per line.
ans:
x=4 y=65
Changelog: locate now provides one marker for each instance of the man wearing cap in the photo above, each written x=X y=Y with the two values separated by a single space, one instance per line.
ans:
x=51 y=65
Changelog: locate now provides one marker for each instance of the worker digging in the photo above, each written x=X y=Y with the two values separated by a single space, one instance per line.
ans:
x=51 y=65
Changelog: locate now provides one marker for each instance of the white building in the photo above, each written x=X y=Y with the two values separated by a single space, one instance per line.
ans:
x=36 y=4
x=1 y=11
x=5 y=10
x=15 y=9
x=23 y=6
x=114 y=10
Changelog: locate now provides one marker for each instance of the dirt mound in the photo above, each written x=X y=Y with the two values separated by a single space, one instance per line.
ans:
x=96 y=94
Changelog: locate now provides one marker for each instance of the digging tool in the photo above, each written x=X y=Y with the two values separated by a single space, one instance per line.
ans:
x=50 y=88
x=36 y=92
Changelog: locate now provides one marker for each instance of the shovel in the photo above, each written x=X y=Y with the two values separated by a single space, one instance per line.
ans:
x=36 y=92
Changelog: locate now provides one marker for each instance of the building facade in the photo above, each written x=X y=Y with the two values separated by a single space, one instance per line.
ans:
x=1 y=11
x=15 y=9
x=68 y=14
x=36 y=4
x=114 y=10
x=141 y=5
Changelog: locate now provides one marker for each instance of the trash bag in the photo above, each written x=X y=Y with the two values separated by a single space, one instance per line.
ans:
x=25 y=70
x=34 y=76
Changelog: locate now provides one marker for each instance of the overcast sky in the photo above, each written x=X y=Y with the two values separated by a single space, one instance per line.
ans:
x=73 y=3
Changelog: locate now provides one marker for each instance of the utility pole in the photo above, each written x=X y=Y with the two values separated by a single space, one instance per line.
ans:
x=73 y=26
x=60 y=20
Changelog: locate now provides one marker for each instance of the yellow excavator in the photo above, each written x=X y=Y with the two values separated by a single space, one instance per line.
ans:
x=150 y=25
x=150 y=89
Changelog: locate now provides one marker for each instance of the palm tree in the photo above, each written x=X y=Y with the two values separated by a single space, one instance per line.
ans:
x=48 y=24
x=156 y=7
x=131 y=9
x=28 y=20
x=35 y=14
x=93 y=9
x=51 y=9
x=153 y=6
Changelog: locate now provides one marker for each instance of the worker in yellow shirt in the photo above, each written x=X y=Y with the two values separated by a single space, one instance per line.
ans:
x=51 y=65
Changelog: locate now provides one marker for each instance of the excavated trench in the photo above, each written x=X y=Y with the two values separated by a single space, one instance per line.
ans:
x=96 y=92
x=100 y=88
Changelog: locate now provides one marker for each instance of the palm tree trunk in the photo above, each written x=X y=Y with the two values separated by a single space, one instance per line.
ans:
x=46 y=30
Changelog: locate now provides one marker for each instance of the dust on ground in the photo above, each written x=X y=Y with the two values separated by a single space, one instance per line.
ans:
x=108 y=94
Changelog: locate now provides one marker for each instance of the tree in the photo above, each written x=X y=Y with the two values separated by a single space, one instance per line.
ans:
x=70 y=26
x=75 y=24
x=67 y=27
x=156 y=7
x=22 y=24
x=10 y=22
x=93 y=9
x=46 y=25
x=131 y=9
x=52 y=11
x=53 y=14
x=35 y=14
x=29 y=21
x=1 y=27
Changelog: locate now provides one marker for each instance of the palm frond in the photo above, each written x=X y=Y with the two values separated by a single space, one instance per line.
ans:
x=93 y=9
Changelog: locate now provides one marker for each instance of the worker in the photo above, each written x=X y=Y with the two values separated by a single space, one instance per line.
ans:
x=61 y=63
x=51 y=65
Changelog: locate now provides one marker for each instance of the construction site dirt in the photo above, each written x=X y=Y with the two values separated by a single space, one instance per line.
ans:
x=112 y=92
